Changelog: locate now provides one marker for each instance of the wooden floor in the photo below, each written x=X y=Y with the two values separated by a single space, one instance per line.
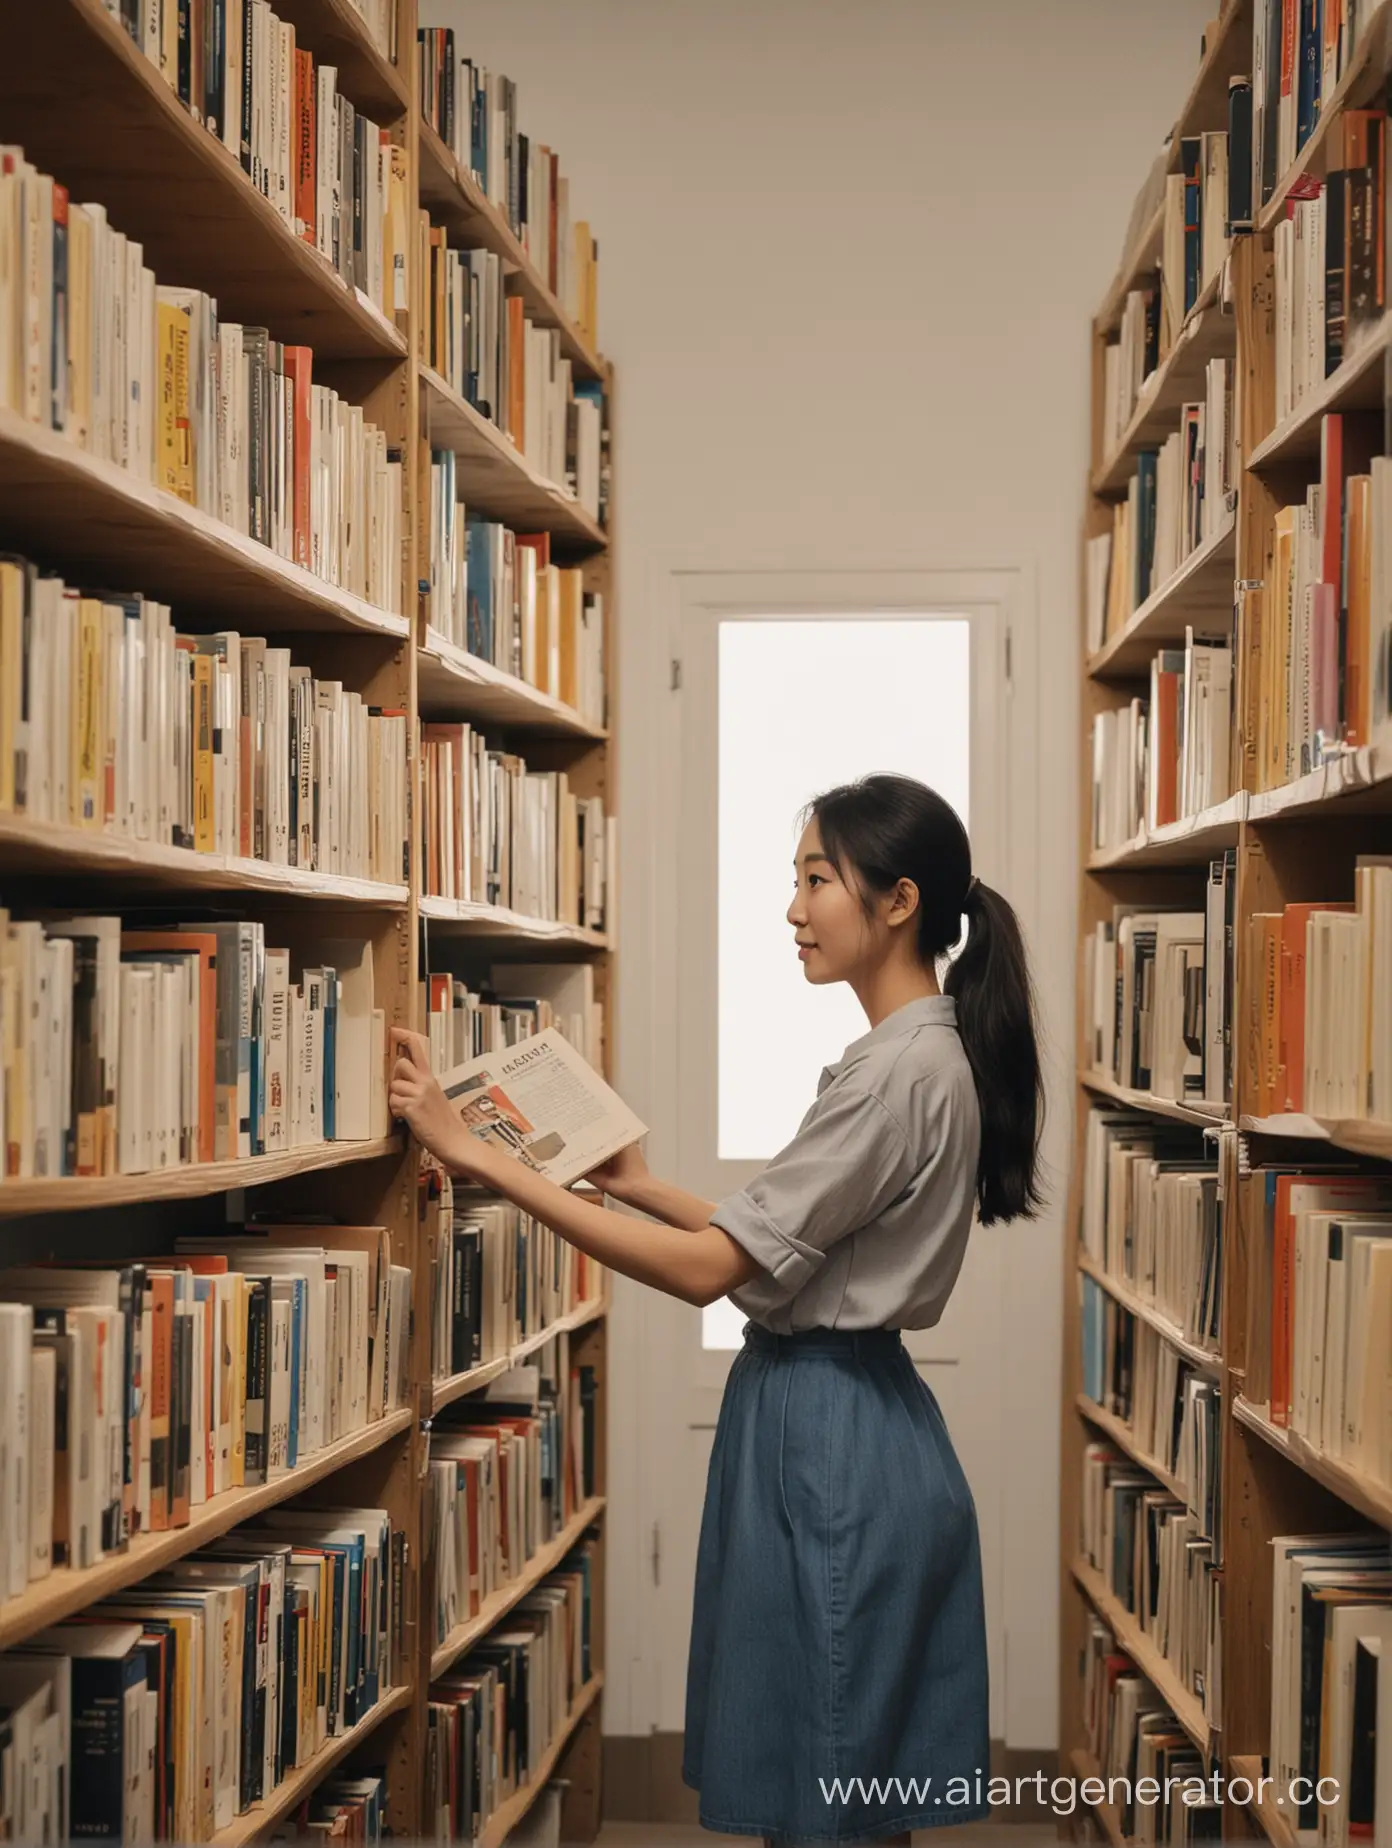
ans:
x=966 y=1835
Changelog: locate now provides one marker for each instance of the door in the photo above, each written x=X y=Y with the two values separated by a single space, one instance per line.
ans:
x=787 y=687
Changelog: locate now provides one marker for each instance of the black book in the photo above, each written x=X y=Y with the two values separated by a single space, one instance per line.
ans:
x=360 y=157
x=1335 y=269
x=1239 y=154
x=185 y=71
x=215 y=100
x=447 y=117
x=587 y=1415
x=255 y=346
x=258 y=1377
x=1271 y=98
x=97 y=1754
x=248 y=12
x=1362 y=1794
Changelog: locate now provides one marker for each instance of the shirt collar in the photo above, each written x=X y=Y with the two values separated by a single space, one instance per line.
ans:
x=926 y=1010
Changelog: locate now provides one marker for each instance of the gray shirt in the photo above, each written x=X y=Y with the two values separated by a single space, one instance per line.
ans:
x=862 y=1221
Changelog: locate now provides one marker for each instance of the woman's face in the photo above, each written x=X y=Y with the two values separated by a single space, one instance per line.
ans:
x=834 y=936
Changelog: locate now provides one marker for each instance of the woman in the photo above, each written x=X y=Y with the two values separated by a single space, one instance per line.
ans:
x=839 y=1631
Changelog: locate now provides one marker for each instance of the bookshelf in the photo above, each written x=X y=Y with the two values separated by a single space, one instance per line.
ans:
x=88 y=106
x=1291 y=840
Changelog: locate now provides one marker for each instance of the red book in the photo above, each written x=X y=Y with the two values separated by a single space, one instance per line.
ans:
x=304 y=205
x=298 y=367
x=1166 y=746
x=517 y=372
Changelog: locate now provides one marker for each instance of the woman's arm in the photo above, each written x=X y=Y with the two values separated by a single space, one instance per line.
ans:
x=626 y=1178
x=699 y=1265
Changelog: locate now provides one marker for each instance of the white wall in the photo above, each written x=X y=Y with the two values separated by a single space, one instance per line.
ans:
x=849 y=254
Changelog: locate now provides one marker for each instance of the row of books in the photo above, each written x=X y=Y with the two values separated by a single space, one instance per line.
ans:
x=1152 y=1216
x=496 y=594
x=1331 y=1684
x=138 y=1394
x=112 y=721
x=1320 y=1016
x=135 y=1051
x=347 y=1809
x=1322 y=624
x=1157 y=760
x=1321 y=1291
x=1132 y=1735
x=1328 y=263
x=500 y=1278
x=474 y=112
x=1157 y=1561
x=509 y=1469
x=218 y=414
x=1299 y=54
x=480 y=341
x=513 y=1001
x=492 y=1718
x=496 y=833
x=1171 y=1409
x=1158 y=987
x=332 y=174
x=171 y=1707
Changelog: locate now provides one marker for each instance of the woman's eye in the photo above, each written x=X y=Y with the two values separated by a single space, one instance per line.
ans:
x=815 y=879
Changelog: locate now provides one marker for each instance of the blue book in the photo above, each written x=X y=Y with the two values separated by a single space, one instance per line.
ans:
x=299 y=1296
x=1309 y=64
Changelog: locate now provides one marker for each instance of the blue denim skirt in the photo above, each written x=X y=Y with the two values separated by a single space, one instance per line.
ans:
x=837 y=1681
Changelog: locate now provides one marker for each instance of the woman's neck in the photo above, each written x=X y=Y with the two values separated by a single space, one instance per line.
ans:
x=882 y=992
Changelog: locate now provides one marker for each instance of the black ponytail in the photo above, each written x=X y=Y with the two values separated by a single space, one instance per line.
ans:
x=888 y=828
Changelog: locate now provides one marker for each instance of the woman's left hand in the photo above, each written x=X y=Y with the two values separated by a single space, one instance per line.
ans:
x=415 y=1096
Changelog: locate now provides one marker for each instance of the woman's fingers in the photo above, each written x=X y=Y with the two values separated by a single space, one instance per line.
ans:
x=414 y=1047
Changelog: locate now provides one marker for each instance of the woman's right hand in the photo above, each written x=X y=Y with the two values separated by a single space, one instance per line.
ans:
x=621 y=1174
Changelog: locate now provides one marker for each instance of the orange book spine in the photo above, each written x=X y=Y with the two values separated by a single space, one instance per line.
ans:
x=517 y=372
x=299 y=364
x=304 y=162
x=1269 y=1029
x=1166 y=748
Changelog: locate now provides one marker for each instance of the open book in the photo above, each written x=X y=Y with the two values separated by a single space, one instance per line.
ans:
x=545 y=1104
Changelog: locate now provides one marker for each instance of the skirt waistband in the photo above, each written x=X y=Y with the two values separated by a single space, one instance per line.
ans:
x=859 y=1342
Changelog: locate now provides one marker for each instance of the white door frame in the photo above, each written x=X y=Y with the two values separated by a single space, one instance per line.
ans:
x=661 y=1324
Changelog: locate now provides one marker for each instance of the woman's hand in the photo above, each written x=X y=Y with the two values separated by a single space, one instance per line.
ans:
x=415 y=1096
x=622 y=1174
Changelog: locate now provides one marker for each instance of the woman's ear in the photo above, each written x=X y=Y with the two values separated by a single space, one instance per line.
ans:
x=903 y=903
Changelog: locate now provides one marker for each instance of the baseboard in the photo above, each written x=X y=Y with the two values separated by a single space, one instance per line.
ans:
x=643 y=1781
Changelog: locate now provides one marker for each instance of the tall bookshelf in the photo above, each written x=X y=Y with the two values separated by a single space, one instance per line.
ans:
x=88 y=107
x=1294 y=841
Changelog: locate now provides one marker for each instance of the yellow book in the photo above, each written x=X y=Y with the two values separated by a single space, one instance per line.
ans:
x=238 y=1345
x=11 y=677
x=79 y=418
x=169 y=323
x=204 y=839
x=88 y=732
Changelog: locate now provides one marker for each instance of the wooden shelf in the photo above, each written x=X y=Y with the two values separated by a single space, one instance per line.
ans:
x=1191 y=841
x=1200 y=594
x=79 y=1193
x=1208 y=333
x=1124 y=1438
x=1086 y=1766
x=1228 y=53
x=43 y=848
x=1358 y=783
x=302 y=1781
x=479 y=920
x=507 y=1815
x=1356 y=385
x=50 y=1600
x=1206 y=1360
x=495 y=478
x=1360 y=1136
x=1140 y=261
x=1207 y=1116
x=99 y=522
x=1359 y=85
x=455 y=201
x=452 y=683
x=458 y=1385
x=88 y=107
x=1272 y=1818
x=1186 y=1707
x=1372 y=1499
x=544 y=1560
x=336 y=32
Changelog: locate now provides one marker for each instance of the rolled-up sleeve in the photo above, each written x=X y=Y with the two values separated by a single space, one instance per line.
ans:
x=846 y=1164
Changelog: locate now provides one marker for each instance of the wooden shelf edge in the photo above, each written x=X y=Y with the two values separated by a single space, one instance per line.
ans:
x=1270 y=1819
x=80 y=1192
x=1111 y=474
x=253 y=1823
x=497 y=920
x=1186 y=1707
x=507 y=1816
x=1171 y=844
x=1358 y=1135
x=1202 y=1358
x=92 y=850
x=1150 y=1105
x=65 y=1590
x=1298 y=432
x=465 y=670
x=498 y=236
x=1086 y=1766
x=458 y=1385
x=497 y=1606
x=1124 y=1438
x=1147 y=615
x=1372 y=1499
x=1359 y=772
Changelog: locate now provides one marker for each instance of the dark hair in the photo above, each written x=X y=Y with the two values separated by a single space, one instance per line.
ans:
x=889 y=828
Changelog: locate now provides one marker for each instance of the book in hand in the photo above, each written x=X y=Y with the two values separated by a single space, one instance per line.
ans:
x=545 y=1104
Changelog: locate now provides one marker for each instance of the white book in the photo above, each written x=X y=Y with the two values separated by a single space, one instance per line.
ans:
x=16 y=1335
x=278 y=1409
x=278 y=1044
x=43 y=1378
